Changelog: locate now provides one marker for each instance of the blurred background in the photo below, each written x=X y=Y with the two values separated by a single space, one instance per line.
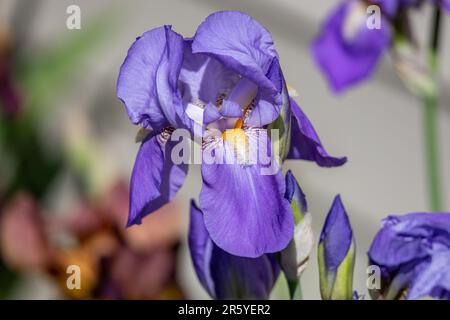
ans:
x=67 y=147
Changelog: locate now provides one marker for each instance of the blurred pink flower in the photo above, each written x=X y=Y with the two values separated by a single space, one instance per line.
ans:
x=22 y=237
x=115 y=262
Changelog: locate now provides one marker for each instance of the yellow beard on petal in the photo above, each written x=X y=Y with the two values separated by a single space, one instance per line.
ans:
x=238 y=142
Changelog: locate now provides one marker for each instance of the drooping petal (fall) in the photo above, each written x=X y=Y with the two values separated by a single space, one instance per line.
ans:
x=155 y=178
x=306 y=144
x=245 y=211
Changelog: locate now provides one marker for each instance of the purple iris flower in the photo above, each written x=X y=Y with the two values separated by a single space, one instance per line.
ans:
x=227 y=77
x=346 y=50
x=225 y=276
x=413 y=252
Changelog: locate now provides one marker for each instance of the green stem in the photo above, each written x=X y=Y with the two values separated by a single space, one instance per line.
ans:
x=295 y=290
x=432 y=153
x=431 y=124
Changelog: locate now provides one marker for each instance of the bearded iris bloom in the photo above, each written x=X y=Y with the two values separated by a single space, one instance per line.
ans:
x=346 y=50
x=413 y=252
x=227 y=77
x=225 y=276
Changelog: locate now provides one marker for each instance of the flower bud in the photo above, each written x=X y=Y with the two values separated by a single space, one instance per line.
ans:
x=336 y=255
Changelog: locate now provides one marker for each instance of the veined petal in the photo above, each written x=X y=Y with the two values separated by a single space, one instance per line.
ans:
x=306 y=144
x=390 y=249
x=226 y=276
x=210 y=114
x=268 y=103
x=155 y=179
x=434 y=280
x=346 y=59
x=245 y=46
x=401 y=238
x=413 y=252
x=147 y=80
x=239 y=42
x=231 y=109
x=245 y=211
x=204 y=78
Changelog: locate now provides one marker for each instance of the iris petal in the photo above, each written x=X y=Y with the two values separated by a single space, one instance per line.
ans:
x=231 y=109
x=204 y=78
x=401 y=239
x=147 y=81
x=201 y=247
x=155 y=179
x=239 y=42
x=435 y=278
x=242 y=44
x=226 y=276
x=306 y=144
x=210 y=114
x=245 y=211
x=268 y=103
x=414 y=252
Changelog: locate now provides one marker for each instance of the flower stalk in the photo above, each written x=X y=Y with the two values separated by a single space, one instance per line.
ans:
x=430 y=106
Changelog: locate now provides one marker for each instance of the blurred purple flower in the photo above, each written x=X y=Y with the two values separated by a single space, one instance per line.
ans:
x=226 y=77
x=413 y=252
x=225 y=276
x=9 y=96
x=346 y=50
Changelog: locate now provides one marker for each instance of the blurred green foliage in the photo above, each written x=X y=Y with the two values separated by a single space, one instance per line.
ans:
x=41 y=79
